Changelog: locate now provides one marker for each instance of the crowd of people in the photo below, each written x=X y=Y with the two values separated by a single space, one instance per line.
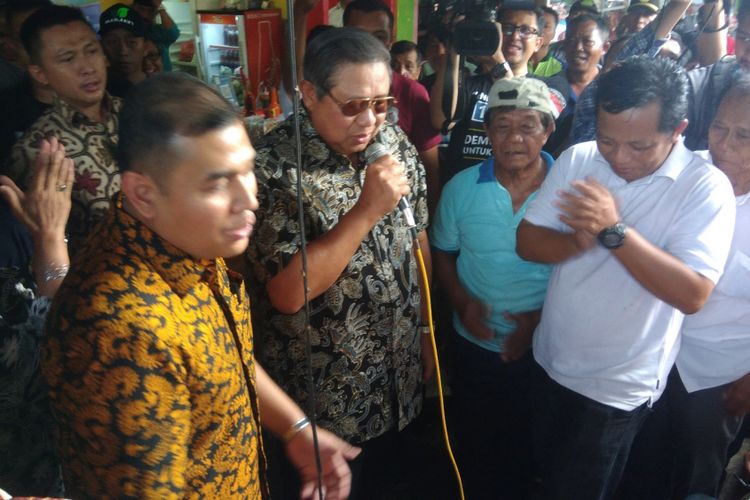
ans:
x=186 y=314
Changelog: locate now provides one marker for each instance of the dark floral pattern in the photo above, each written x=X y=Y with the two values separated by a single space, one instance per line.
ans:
x=28 y=463
x=365 y=342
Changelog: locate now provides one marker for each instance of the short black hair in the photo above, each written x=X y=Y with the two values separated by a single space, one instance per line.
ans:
x=368 y=6
x=44 y=19
x=638 y=81
x=404 y=47
x=552 y=12
x=335 y=48
x=523 y=6
x=162 y=108
x=601 y=24
x=316 y=31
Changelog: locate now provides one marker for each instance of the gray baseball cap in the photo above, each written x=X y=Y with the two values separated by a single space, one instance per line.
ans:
x=523 y=93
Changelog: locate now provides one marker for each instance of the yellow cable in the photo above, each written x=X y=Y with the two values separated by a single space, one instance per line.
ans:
x=423 y=270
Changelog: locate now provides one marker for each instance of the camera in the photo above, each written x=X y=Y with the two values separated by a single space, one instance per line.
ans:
x=477 y=35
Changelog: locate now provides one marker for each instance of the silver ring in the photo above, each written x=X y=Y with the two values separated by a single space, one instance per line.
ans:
x=62 y=187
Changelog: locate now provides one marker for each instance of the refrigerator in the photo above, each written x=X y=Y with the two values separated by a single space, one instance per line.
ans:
x=241 y=51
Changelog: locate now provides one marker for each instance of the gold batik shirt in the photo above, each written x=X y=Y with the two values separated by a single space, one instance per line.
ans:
x=149 y=360
x=91 y=146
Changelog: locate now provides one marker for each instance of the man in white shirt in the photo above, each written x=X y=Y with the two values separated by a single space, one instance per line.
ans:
x=639 y=229
x=700 y=413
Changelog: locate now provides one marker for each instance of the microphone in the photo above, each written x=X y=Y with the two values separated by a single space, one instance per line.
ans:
x=374 y=152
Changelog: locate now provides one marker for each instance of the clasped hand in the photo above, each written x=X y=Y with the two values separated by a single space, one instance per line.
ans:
x=587 y=208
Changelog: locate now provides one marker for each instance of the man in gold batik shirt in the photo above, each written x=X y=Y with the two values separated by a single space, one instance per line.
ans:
x=149 y=351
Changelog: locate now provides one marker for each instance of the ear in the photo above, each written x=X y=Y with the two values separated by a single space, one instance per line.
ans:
x=309 y=94
x=37 y=73
x=679 y=130
x=141 y=193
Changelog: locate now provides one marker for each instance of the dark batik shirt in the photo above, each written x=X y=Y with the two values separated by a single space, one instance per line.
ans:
x=365 y=343
x=150 y=365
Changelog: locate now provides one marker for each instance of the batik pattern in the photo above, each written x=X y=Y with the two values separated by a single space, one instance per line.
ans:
x=365 y=343
x=91 y=145
x=150 y=365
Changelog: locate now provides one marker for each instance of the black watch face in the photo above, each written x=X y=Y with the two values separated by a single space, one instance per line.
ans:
x=612 y=237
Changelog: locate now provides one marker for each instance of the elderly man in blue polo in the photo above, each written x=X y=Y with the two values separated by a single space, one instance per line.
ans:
x=494 y=294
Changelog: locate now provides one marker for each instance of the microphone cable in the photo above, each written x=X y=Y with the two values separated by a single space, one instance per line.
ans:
x=311 y=412
x=439 y=380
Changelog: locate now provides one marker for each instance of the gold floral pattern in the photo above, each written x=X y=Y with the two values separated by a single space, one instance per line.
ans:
x=365 y=345
x=150 y=365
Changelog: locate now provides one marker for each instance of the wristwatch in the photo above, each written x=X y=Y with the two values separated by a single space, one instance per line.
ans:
x=613 y=236
x=500 y=70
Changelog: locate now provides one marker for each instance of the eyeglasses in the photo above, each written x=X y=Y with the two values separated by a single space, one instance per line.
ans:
x=354 y=107
x=523 y=31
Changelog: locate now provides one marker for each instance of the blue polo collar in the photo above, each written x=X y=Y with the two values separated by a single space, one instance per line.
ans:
x=487 y=167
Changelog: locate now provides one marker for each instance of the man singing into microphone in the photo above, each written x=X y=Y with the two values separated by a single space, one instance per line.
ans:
x=369 y=353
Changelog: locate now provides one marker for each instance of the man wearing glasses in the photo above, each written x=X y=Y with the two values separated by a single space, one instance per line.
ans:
x=367 y=345
x=521 y=26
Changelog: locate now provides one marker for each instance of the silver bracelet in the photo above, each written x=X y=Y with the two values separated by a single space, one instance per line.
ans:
x=295 y=429
x=54 y=273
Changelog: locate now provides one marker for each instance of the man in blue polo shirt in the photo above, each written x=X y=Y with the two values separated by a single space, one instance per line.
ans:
x=495 y=295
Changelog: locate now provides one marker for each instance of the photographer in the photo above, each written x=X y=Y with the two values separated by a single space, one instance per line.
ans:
x=520 y=27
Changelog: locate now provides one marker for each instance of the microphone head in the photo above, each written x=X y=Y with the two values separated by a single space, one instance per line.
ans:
x=374 y=151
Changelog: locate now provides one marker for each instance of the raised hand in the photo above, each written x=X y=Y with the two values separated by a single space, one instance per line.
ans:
x=45 y=206
x=43 y=209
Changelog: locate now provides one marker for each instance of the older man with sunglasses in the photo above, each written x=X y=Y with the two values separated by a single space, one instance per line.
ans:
x=362 y=282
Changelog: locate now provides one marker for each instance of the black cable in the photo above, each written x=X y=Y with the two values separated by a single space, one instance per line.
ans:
x=311 y=413
x=703 y=28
